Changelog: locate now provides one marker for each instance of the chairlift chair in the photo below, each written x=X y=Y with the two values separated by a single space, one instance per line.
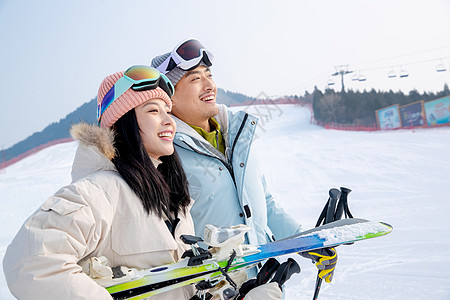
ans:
x=404 y=73
x=441 y=67
x=392 y=74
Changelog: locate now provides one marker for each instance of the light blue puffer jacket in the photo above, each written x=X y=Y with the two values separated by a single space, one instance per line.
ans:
x=231 y=189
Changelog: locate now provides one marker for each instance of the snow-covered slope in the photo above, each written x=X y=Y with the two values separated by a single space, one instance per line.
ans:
x=399 y=177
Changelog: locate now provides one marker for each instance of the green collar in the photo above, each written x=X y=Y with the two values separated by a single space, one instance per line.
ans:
x=214 y=137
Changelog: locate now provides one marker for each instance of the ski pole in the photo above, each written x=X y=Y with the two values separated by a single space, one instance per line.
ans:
x=327 y=216
x=317 y=289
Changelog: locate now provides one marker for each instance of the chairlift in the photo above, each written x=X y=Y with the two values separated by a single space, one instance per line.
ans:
x=355 y=77
x=362 y=77
x=441 y=67
x=403 y=73
x=392 y=74
x=330 y=82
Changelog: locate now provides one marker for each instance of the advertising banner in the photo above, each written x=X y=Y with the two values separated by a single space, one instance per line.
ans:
x=412 y=114
x=438 y=111
x=388 y=117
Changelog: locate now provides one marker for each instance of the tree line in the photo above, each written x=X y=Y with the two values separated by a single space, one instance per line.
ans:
x=358 y=108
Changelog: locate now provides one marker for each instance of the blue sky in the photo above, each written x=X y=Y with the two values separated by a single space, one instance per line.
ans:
x=54 y=54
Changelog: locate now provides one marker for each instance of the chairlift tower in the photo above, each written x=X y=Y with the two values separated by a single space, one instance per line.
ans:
x=342 y=70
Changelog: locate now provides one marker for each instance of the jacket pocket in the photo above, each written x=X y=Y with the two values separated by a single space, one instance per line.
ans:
x=61 y=206
x=141 y=235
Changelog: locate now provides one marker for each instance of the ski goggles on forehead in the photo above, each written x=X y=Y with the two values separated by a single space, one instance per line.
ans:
x=187 y=56
x=138 y=78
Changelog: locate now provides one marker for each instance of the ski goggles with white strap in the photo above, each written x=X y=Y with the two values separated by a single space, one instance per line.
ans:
x=138 y=78
x=187 y=56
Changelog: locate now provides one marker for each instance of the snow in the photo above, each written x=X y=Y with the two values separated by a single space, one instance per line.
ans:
x=399 y=177
x=333 y=236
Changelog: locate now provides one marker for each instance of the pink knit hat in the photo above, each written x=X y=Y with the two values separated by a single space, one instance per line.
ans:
x=127 y=101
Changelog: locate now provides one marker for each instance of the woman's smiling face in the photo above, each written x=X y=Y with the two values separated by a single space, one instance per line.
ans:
x=157 y=128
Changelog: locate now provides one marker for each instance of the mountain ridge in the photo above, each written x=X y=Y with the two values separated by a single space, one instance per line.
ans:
x=60 y=130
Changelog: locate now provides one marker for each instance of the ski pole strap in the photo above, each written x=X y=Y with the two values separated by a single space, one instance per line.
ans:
x=228 y=278
x=224 y=271
x=230 y=260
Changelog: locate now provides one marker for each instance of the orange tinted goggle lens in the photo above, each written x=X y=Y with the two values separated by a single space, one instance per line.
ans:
x=141 y=72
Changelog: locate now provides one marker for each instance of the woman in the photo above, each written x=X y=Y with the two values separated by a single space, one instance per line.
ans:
x=128 y=201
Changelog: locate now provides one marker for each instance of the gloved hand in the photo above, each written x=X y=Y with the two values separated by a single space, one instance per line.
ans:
x=325 y=260
x=261 y=288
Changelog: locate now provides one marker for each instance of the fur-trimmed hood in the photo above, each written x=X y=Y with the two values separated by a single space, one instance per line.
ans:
x=95 y=151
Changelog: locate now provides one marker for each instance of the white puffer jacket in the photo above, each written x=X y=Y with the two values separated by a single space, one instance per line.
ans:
x=96 y=215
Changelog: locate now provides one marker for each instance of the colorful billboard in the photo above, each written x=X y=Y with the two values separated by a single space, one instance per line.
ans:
x=388 y=117
x=438 y=111
x=412 y=114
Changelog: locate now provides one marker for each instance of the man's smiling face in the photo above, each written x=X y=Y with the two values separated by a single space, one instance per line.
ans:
x=194 y=100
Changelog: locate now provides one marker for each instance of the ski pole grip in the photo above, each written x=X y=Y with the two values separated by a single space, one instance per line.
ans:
x=334 y=196
x=342 y=203
x=345 y=192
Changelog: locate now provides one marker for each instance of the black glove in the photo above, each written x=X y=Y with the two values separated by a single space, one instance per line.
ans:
x=264 y=275
x=285 y=271
x=325 y=259
x=282 y=273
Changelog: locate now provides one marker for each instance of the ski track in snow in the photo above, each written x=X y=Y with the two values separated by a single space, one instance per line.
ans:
x=399 y=177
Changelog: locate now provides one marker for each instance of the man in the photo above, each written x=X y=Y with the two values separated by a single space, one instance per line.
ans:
x=215 y=147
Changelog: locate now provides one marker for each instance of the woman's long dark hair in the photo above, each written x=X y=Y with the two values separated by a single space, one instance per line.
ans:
x=161 y=190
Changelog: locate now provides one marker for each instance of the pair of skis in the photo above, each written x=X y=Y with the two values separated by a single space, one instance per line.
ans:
x=211 y=269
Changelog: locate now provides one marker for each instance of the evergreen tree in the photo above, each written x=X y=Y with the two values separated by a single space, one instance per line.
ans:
x=358 y=108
